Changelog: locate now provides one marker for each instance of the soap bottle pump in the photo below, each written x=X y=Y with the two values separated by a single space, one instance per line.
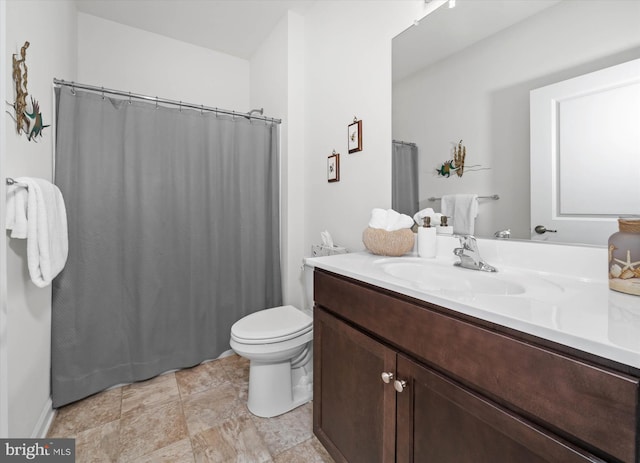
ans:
x=426 y=239
x=443 y=228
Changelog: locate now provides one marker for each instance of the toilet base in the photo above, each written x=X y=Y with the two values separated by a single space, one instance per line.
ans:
x=271 y=392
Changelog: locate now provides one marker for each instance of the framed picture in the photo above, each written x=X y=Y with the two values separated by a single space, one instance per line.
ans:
x=333 y=167
x=355 y=136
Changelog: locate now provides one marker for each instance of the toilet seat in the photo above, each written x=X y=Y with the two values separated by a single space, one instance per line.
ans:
x=271 y=326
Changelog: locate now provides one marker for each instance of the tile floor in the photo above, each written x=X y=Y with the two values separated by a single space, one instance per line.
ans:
x=193 y=415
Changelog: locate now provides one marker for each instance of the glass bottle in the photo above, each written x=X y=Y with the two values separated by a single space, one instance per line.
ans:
x=624 y=257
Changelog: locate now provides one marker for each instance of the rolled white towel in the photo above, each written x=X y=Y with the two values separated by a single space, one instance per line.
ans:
x=389 y=220
x=427 y=212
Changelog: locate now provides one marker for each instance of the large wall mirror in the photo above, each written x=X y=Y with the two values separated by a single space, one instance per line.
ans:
x=467 y=73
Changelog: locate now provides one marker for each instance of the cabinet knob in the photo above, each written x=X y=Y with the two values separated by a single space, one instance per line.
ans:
x=399 y=385
x=387 y=376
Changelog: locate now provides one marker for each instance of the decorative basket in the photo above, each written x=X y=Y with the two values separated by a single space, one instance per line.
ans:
x=388 y=243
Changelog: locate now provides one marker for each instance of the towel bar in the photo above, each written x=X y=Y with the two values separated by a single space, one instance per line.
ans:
x=496 y=197
x=11 y=181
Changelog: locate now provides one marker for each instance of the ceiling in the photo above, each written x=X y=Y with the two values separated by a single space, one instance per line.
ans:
x=449 y=30
x=234 y=27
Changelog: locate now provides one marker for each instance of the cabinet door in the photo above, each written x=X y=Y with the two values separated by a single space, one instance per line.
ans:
x=440 y=421
x=353 y=409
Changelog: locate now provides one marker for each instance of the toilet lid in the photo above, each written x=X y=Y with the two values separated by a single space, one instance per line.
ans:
x=272 y=325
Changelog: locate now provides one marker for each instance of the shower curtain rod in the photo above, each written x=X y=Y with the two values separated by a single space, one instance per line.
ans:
x=403 y=142
x=181 y=104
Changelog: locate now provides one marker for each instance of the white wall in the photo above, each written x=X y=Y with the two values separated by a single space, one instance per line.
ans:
x=348 y=73
x=338 y=64
x=124 y=58
x=481 y=95
x=50 y=27
x=277 y=83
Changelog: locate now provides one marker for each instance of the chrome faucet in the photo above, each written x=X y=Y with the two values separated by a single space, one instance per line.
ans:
x=503 y=234
x=470 y=255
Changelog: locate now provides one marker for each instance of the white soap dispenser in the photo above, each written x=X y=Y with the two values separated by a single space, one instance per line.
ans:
x=443 y=228
x=427 y=239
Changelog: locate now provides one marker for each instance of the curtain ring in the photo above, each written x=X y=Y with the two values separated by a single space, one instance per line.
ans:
x=156 y=101
x=129 y=97
x=73 y=89
x=180 y=106
x=201 y=109
x=103 y=93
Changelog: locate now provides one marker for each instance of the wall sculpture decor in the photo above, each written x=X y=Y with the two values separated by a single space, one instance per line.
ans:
x=28 y=121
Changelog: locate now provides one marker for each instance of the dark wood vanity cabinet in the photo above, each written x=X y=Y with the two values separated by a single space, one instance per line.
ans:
x=465 y=392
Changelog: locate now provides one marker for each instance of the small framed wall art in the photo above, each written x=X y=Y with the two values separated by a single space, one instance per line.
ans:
x=333 y=167
x=355 y=136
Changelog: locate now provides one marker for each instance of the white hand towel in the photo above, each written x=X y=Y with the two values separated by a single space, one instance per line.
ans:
x=463 y=210
x=47 y=242
x=16 y=214
x=389 y=220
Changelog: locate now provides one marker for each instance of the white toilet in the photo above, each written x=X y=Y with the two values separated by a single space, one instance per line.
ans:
x=278 y=342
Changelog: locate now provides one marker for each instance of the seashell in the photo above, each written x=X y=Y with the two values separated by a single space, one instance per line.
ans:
x=615 y=271
x=637 y=272
x=628 y=273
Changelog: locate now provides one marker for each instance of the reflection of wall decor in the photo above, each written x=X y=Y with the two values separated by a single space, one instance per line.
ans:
x=459 y=153
x=457 y=163
x=27 y=121
x=333 y=167
x=355 y=135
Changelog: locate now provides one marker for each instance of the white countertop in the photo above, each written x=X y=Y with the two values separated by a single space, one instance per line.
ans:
x=576 y=310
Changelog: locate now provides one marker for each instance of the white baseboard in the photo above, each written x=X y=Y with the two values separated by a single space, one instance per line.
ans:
x=44 y=422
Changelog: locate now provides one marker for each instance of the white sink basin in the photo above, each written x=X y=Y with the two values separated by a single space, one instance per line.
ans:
x=434 y=276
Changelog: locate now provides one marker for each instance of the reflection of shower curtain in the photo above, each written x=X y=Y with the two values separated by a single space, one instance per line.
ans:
x=404 y=174
x=174 y=235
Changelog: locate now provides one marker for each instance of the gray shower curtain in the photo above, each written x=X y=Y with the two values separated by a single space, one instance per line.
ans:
x=404 y=178
x=174 y=235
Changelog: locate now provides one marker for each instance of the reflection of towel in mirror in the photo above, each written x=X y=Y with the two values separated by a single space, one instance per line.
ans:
x=463 y=209
x=46 y=228
x=428 y=212
x=389 y=220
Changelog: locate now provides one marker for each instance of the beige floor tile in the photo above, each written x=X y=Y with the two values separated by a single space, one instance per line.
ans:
x=156 y=391
x=234 y=440
x=282 y=432
x=150 y=429
x=178 y=452
x=198 y=414
x=100 y=444
x=237 y=369
x=211 y=407
x=310 y=451
x=82 y=415
x=201 y=377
